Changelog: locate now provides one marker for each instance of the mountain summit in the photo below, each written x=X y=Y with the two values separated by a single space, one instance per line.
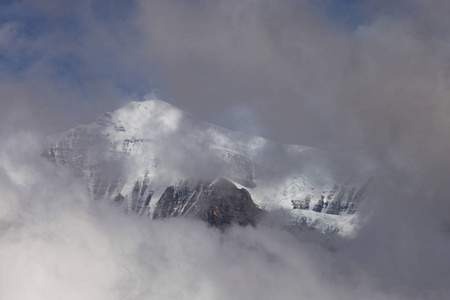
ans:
x=159 y=161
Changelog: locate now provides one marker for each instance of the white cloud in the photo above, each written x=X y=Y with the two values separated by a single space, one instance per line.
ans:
x=55 y=243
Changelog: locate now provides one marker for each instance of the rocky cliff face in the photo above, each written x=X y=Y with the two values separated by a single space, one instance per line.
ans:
x=157 y=160
x=219 y=203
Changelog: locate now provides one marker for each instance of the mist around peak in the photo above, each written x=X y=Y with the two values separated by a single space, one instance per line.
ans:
x=369 y=87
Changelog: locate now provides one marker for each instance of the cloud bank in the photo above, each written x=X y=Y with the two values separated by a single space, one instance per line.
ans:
x=55 y=242
x=373 y=94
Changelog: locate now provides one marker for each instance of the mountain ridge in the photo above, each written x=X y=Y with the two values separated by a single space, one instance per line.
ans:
x=135 y=153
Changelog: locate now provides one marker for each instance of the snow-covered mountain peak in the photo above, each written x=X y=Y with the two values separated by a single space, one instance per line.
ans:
x=136 y=152
x=144 y=119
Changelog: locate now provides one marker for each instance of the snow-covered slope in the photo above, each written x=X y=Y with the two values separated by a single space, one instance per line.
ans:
x=132 y=156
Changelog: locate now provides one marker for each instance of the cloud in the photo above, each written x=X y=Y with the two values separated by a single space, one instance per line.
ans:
x=375 y=96
x=55 y=242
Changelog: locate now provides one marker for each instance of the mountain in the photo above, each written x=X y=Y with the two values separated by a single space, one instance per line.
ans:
x=158 y=160
x=219 y=203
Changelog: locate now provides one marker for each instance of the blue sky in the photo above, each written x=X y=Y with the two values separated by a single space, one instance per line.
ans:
x=349 y=13
x=36 y=23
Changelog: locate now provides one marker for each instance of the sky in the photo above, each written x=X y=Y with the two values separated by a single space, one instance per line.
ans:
x=366 y=81
x=96 y=54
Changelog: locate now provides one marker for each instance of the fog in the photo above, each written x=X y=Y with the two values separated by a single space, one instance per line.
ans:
x=57 y=243
x=369 y=87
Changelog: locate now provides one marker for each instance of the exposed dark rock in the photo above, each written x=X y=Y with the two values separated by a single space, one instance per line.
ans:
x=301 y=204
x=119 y=199
x=219 y=203
x=320 y=205
x=149 y=197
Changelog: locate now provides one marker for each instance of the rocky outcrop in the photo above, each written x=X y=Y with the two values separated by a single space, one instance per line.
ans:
x=219 y=203
x=340 y=200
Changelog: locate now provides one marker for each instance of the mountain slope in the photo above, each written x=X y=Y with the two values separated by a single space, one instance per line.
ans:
x=146 y=153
